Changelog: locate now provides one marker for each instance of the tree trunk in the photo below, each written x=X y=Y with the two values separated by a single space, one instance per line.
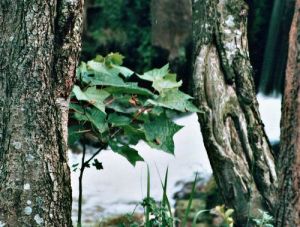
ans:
x=233 y=133
x=288 y=213
x=39 y=46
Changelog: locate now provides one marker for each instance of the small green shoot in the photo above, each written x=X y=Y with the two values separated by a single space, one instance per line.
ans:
x=188 y=210
x=266 y=219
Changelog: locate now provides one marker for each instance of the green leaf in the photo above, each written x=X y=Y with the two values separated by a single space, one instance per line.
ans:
x=81 y=71
x=113 y=82
x=97 y=67
x=162 y=79
x=118 y=120
x=115 y=58
x=132 y=135
x=129 y=153
x=165 y=83
x=123 y=70
x=99 y=58
x=97 y=97
x=126 y=104
x=268 y=225
x=155 y=74
x=102 y=78
x=79 y=94
x=76 y=108
x=96 y=117
x=92 y=95
x=120 y=103
x=97 y=73
x=74 y=134
x=159 y=133
x=176 y=100
x=129 y=88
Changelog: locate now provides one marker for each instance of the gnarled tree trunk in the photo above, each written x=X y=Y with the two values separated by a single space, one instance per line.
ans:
x=233 y=133
x=288 y=213
x=39 y=46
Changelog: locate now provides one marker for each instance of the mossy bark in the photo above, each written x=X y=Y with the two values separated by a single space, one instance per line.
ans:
x=234 y=136
x=39 y=46
x=288 y=213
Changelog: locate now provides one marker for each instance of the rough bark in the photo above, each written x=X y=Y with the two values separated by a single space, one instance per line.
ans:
x=233 y=133
x=288 y=213
x=39 y=46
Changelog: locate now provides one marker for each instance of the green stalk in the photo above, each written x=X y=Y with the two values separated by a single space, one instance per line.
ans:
x=188 y=209
x=165 y=198
x=197 y=216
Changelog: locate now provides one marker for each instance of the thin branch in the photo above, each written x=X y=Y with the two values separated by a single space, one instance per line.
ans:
x=94 y=155
x=83 y=165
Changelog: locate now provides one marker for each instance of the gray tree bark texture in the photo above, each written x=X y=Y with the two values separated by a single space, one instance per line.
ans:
x=233 y=133
x=39 y=47
x=288 y=213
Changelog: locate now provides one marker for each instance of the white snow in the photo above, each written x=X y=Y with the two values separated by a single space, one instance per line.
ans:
x=270 y=110
x=26 y=186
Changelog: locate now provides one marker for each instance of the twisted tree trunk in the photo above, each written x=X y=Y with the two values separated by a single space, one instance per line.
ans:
x=288 y=213
x=234 y=135
x=39 y=46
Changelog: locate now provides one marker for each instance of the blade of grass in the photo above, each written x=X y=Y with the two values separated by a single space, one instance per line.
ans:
x=164 y=199
x=197 y=216
x=167 y=201
x=165 y=188
x=188 y=209
x=162 y=185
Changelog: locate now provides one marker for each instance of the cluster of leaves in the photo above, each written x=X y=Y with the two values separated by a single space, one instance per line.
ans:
x=118 y=112
x=159 y=213
x=225 y=215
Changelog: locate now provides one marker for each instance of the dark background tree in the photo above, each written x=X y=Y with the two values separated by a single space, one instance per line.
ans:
x=288 y=213
x=273 y=64
x=39 y=46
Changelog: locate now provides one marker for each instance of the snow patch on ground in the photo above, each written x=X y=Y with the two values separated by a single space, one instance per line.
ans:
x=270 y=110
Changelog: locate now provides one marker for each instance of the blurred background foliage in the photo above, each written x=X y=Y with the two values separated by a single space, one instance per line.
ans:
x=150 y=33
x=125 y=26
x=121 y=26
